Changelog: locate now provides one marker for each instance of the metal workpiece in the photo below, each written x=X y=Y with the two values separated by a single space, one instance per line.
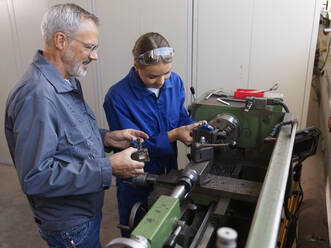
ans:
x=142 y=154
x=186 y=182
x=179 y=192
x=264 y=229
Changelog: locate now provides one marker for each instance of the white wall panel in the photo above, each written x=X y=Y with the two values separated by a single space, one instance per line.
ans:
x=223 y=44
x=8 y=72
x=282 y=34
x=28 y=17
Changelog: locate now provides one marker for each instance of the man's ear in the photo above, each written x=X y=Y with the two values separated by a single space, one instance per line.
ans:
x=60 y=40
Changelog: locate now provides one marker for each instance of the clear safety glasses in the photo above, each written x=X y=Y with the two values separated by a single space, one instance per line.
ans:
x=154 y=56
x=92 y=48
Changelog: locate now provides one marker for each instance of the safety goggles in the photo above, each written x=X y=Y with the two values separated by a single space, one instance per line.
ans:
x=154 y=56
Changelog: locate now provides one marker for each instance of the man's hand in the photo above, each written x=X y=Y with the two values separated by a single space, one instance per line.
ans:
x=122 y=138
x=183 y=133
x=123 y=166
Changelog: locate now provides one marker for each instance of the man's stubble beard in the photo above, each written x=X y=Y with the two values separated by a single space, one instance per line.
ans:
x=75 y=68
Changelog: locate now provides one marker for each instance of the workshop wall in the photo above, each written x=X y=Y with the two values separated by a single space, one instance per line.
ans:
x=218 y=44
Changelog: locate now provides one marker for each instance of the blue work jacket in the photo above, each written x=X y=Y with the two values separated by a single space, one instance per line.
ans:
x=56 y=147
x=128 y=104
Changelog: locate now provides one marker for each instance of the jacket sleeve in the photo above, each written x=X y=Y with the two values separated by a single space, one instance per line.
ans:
x=41 y=170
x=103 y=132
x=119 y=117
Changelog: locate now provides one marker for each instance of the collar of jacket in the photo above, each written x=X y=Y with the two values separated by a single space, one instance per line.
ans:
x=138 y=87
x=52 y=74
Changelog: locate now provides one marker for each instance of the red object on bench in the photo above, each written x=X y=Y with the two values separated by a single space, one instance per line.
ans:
x=243 y=93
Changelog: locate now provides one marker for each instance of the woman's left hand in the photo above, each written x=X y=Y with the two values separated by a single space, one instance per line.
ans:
x=122 y=138
x=184 y=133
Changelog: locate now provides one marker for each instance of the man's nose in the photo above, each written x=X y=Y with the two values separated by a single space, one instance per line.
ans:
x=94 y=55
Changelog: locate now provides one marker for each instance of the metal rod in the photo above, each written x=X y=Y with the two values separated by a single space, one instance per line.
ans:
x=222 y=101
x=206 y=238
x=265 y=224
x=179 y=192
x=232 y=100
x=198 y=145
x=202 y=227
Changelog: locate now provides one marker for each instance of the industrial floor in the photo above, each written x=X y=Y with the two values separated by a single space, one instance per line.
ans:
x=17 y=228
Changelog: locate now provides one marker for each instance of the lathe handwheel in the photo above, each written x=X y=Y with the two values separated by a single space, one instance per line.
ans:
x=138 y=211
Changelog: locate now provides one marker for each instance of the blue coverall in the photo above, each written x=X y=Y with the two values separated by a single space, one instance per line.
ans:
x=128 y=104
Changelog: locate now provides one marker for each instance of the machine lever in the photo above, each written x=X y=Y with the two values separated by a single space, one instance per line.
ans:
x=124 y=227
x=193 y=93
x=232 y=144
x=190 y=213
x=172 y=239
x=274 y=87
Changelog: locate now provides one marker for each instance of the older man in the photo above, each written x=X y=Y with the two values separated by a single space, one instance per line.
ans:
x=53 y=136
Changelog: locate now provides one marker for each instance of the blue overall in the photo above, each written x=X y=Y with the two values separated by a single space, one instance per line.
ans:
x=128 y=104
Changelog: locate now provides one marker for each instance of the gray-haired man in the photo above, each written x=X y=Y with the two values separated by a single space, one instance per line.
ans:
x=53 y=136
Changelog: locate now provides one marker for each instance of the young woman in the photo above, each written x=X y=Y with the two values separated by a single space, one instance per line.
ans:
x=151 y=99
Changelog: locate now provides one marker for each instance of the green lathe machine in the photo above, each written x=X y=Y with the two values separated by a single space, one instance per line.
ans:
x=237 y=177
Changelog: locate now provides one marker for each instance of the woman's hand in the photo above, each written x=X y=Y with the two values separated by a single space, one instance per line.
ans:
x=183 y=133
x=122 y=138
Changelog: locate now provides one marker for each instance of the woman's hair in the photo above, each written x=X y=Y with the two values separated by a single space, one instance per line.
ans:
x=64 y=18
x=148 y=42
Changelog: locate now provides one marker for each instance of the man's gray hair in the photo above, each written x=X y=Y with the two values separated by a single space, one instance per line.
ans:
x=64 y=18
